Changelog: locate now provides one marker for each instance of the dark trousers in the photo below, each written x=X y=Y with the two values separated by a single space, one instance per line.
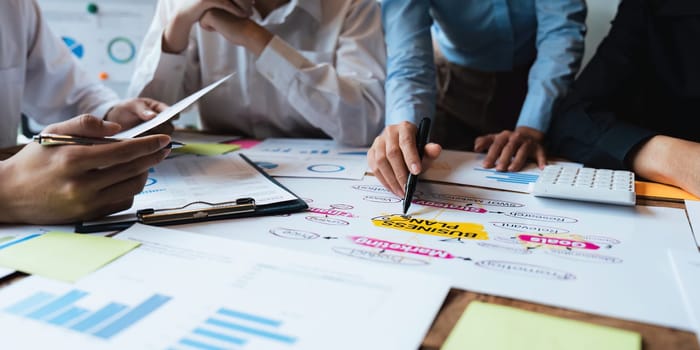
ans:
x=472 y=103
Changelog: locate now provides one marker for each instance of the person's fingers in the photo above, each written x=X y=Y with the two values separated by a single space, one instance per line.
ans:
x=101 y=210
x=386 y=168
x=521 y=156
x=154 y=105
x=83 y=158
x=376 y=159
x=232 y=7
x=508 y=152
x=482 y=143
x=431 y=153
x=124 y=190
x=84 y=125
x=246 y=6
x=407 y=152
x=540 y=156
x=104 y=178
x=494 y=151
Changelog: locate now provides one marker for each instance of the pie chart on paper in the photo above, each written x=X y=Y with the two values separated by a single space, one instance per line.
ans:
x=74 y=46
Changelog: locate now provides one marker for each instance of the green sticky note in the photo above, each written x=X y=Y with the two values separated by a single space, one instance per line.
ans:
x=64 y=256
x=207 y=149
x=498 y=327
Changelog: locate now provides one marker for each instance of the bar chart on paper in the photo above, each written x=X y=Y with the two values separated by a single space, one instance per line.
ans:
x=508 y=177
x=62 y=310
x=228 y=328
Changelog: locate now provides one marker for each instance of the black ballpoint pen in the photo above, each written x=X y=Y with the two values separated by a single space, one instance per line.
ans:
x=421 y=140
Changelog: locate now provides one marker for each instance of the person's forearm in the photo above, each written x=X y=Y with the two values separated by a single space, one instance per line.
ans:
x=255 y=37
x=177 y=35
x=669 y=160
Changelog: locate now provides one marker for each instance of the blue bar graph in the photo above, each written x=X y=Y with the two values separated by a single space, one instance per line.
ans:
x=69 y=315
x=30 y=303
x=133 y=316
x=516 y=178
x=229 y=327
x=98 y=317
x=60 y=311
x=58 y=304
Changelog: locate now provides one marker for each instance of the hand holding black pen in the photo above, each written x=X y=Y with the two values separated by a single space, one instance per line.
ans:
x=421 y=140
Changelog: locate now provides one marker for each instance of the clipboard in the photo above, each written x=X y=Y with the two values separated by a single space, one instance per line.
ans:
x=198 y=211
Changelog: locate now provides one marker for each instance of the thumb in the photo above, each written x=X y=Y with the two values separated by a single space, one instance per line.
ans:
x=84 y=125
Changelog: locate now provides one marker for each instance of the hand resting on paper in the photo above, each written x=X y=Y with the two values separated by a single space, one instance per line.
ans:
x=65 y=184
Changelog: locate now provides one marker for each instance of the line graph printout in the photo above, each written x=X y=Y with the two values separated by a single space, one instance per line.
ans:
x=182 y=290
x=574 y=255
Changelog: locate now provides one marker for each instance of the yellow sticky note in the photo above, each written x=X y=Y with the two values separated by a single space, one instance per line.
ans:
x=207 y=149
x=63 y=256
x=498 y=327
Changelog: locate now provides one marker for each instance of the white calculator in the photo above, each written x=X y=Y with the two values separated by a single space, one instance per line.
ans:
x=586 y=184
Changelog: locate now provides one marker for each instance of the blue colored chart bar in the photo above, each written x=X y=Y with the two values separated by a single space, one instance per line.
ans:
x=219 y=336
x=252 y=331
x=22 y=307
x=133 y=316
x=199 y=345
x=23 y=239
x=57 y=304
x=67 y=316
x=98 y=317
x=249 y=317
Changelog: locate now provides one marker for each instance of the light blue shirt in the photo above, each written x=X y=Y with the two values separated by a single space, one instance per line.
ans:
x=486 y=35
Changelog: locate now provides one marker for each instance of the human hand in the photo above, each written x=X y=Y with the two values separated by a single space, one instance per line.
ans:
x=237 y=31
x=394 y=152
x=133 y=112
x=176 y=34
x=510 y=150
x=65 y=184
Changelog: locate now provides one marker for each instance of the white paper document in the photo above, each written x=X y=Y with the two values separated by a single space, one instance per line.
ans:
x=308 y=147
x=170 y=112
x=687 y=272
x=179 y=181
x=464 y=168
x=693 y=210
x=182 y=291
x=596 y=258
x=310 y=166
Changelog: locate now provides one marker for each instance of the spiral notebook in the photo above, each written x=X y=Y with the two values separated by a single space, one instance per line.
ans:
x=190 y=188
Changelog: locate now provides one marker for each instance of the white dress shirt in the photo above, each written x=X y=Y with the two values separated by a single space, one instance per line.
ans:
x=39 y=75
x=322 y=75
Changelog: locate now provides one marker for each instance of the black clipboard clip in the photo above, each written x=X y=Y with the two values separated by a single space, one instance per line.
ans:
x=186 y=213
